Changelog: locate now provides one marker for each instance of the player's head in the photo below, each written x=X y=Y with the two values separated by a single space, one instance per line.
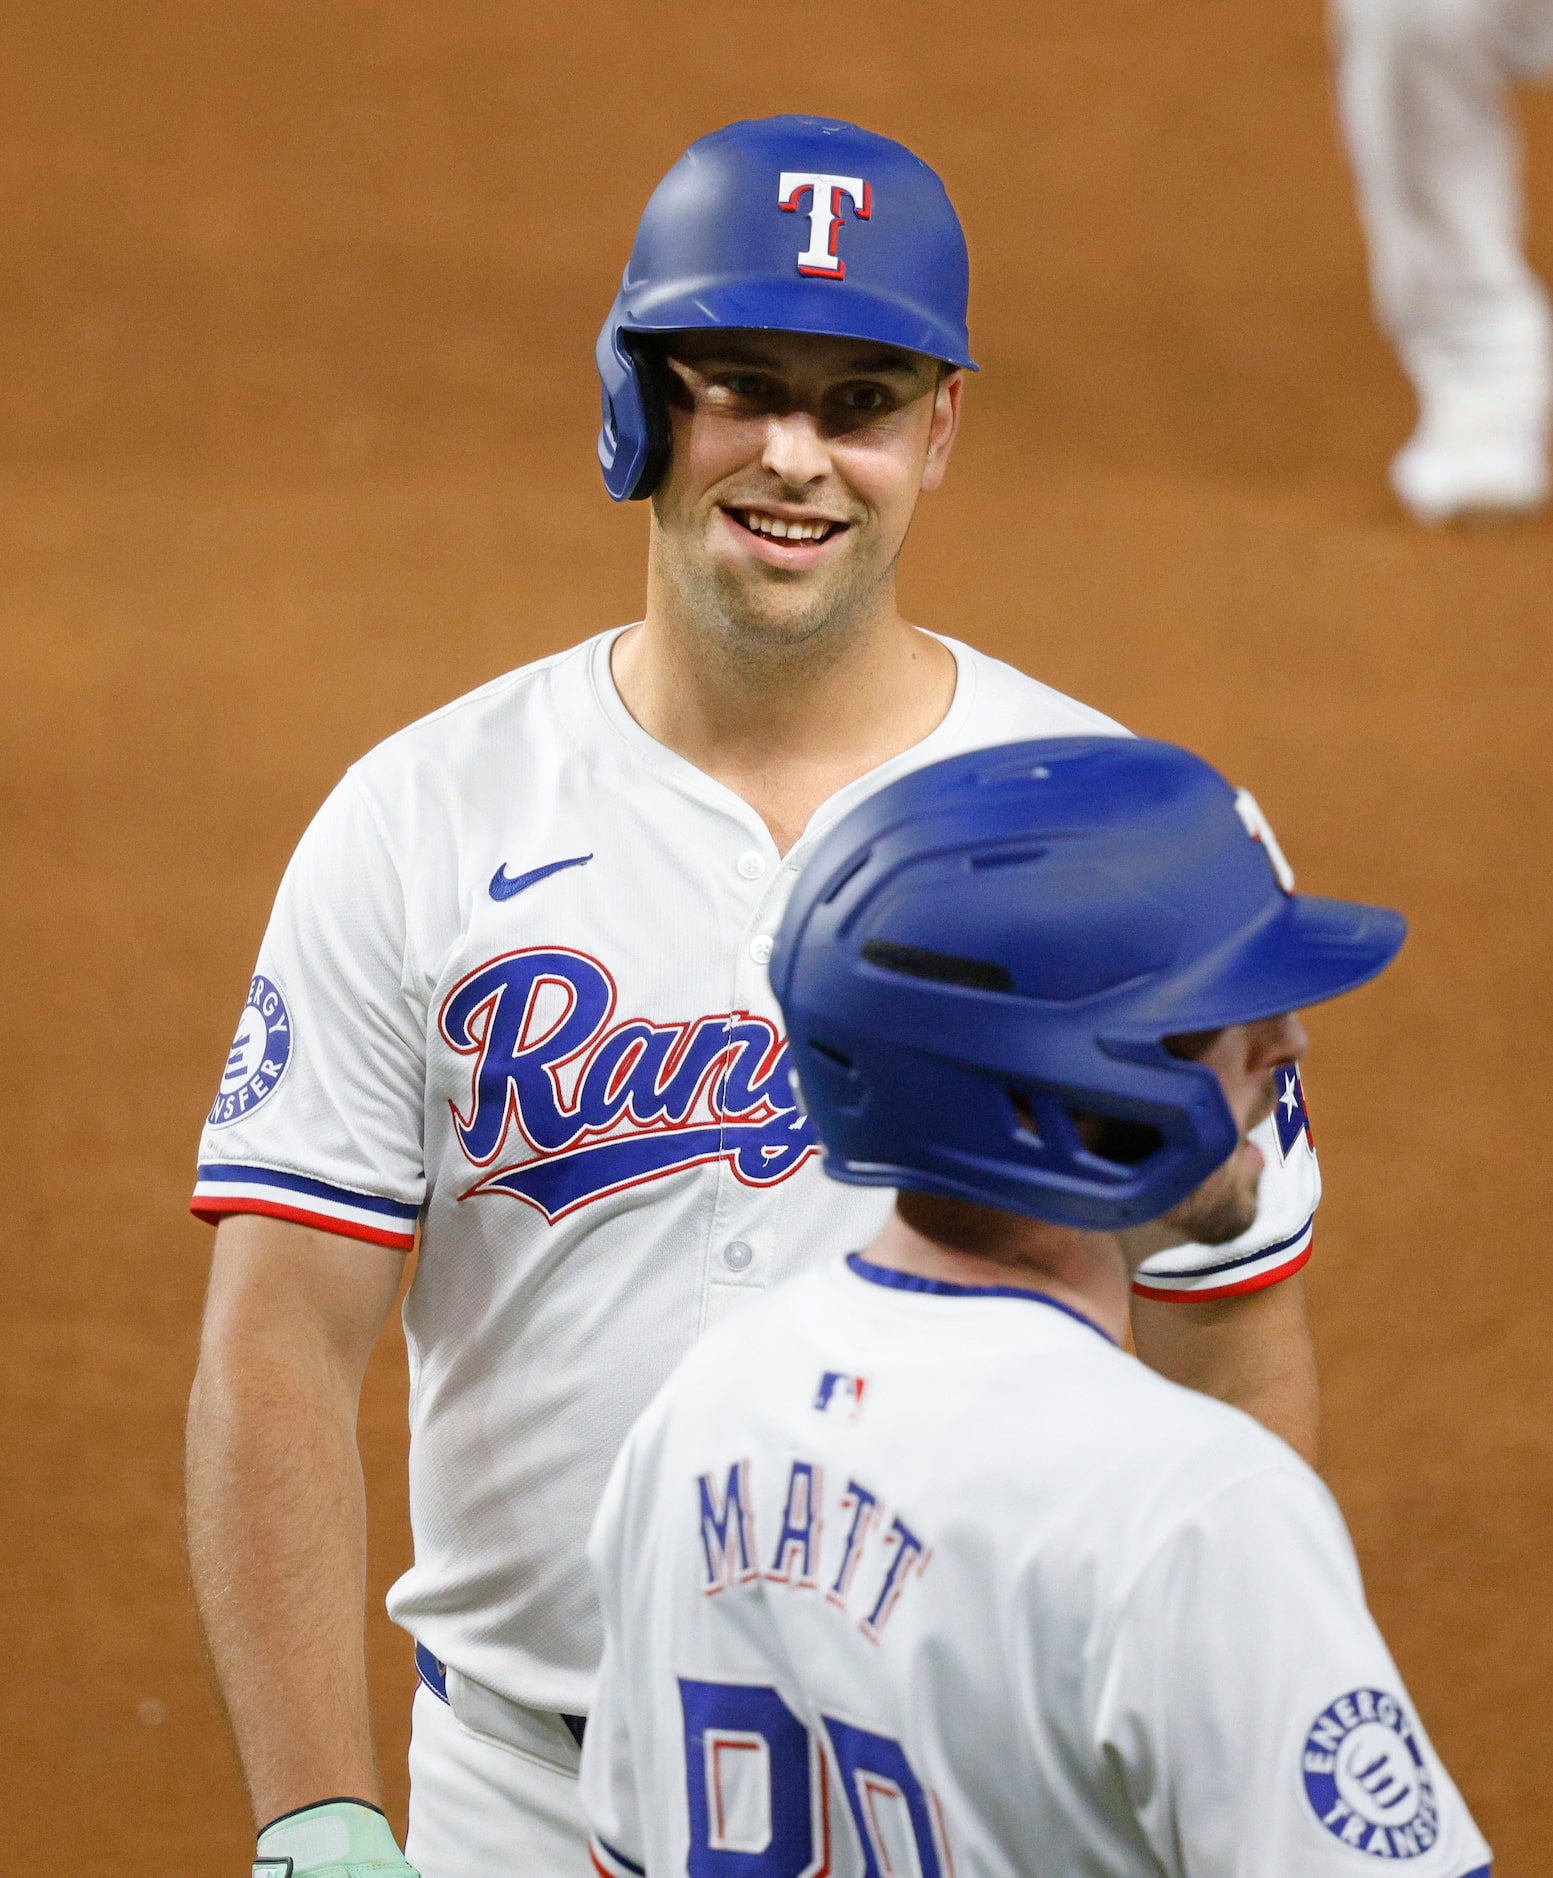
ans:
x=1054 y=977
x=786 y=347
x=778 y=225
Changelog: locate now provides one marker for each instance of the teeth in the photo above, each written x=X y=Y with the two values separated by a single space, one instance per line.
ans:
x=781 y=530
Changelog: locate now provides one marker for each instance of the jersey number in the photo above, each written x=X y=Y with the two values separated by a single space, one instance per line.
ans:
x=759 y=1791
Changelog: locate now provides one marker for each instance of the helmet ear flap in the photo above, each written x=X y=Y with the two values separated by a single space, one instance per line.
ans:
x=634 y=433
x=648 y=373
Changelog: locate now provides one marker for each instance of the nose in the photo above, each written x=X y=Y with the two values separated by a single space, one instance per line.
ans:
x=795 y=452
x=1279 y=1040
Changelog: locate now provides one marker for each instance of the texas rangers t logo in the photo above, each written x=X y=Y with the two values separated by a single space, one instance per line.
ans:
x=1260 y=830
x=822 y=256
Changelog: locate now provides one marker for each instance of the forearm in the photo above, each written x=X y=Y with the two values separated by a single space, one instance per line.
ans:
x=1255 y=1352
x=277 y=1552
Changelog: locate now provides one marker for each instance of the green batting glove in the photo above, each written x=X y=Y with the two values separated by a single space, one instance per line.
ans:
x=334 y=1839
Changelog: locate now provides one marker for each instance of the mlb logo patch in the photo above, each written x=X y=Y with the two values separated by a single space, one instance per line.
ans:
x=839 y=1394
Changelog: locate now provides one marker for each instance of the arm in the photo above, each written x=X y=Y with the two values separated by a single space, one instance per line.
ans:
x=1258 y=1720
x=276 y=1504
x=1254 y=1351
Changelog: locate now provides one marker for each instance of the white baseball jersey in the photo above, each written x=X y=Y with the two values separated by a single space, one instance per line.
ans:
x=514 y=993
x=901 y=1577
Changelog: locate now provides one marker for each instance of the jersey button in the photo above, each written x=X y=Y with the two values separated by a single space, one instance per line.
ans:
x=737 y=1255
x=752 y=864
x=761 y=947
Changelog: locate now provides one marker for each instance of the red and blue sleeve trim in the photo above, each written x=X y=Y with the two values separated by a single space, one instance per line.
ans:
x=224 y=1188
x=1231 y=1277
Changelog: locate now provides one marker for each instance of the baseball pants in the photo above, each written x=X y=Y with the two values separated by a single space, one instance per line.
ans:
x=480 y=1808
x=1422 y=93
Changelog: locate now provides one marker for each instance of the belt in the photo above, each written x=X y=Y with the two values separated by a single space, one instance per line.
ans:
x=434 y=1675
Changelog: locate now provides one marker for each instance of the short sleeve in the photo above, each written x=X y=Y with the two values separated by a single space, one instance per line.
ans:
x=1251 y=1710
x=608 y=1780
x=320 y=1110
x=1278 y=1242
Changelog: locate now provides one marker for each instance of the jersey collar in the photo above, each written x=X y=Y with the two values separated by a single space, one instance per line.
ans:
x=942 y=1288
x=947 y=736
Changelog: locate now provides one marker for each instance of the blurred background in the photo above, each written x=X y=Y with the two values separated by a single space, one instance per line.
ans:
x=297 y=306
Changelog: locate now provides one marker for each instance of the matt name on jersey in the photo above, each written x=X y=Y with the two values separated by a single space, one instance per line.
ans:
x=855 y=1548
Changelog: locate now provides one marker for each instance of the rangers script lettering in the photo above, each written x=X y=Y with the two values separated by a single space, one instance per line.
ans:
x=665 y=1096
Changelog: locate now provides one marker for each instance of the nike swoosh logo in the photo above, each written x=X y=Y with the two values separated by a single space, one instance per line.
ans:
x=505 y=885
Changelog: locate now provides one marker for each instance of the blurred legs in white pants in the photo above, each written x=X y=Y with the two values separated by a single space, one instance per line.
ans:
x=1422 y=89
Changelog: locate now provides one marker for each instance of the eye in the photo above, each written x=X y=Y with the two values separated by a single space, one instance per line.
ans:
x=747 y=387
x=866 y=399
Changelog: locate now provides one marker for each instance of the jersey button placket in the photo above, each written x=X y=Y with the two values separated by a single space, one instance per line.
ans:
x=738 y=1252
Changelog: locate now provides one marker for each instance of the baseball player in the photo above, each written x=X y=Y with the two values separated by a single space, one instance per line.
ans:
x=1423 y=96
x=513 y=998
x=909 y=1568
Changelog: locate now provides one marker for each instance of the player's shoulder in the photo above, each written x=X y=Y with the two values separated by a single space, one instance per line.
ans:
x=461 y=728
x=489 y=738
x=1203 y=1444
x=1195 y=1462
x=1122 y=1414
x=1006 y=704
x=999 y=1402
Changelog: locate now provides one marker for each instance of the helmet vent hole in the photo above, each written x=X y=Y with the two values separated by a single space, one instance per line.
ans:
x=842 y=1061
x=1114 y=1138
x=1006 y=857
x=840 y=886
x=940 y=968
x=1024 y=1114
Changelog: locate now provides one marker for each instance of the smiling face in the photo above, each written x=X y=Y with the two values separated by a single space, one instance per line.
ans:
x=1244 y=1057
x=795 y=465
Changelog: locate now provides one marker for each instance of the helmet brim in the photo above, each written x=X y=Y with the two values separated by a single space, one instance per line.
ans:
x=757 y=304
x=1307 y=950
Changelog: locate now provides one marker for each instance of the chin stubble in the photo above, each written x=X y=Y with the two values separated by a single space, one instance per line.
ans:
x=1216 y=1218
x=721 y=601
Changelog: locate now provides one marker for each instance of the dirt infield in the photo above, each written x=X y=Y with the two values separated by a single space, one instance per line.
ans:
x=296 y=420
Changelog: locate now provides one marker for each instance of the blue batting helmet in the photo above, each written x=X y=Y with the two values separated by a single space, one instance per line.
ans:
x=794 y=224
x=993 y=944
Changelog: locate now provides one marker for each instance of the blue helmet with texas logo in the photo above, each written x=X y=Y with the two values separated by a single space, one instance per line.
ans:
x=789 y=224
x=984 y=960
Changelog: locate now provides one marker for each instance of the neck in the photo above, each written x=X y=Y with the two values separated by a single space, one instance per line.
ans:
x=782 y=721
x=964 y=1244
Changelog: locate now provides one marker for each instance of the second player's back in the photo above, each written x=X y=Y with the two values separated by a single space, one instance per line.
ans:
x=914 y=1520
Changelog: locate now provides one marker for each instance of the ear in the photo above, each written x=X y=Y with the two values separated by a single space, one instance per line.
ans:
x=945 y=428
